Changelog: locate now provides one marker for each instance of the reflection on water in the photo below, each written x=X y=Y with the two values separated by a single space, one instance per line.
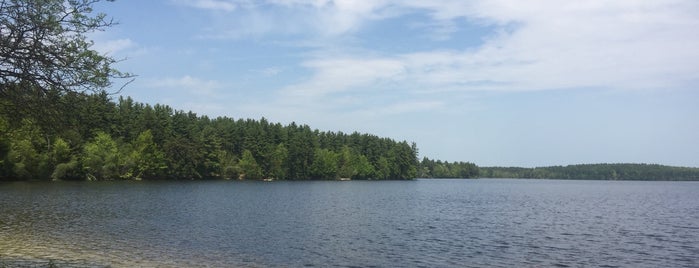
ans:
x=442 y=223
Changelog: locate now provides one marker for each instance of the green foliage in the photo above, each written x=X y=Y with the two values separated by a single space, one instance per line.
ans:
x=26 y=157
x=403 y=161
x=278 y=162
x=383 y=168
x=363 y=168
x=46 y=56
x=596 y=172
x=227 y=165
x=45 y=46
x=102 y=140
x=184 y=156
x=437 y=169
x=347 y=163
x=249 y=169
x=324 y=164
x=148 y=159
x=99 y=139
x=60 y=151
x=101 y=158
x=66 y=165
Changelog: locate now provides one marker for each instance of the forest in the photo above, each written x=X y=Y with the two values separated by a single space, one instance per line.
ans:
x=80 y=136
x=429 y=168
x=595 y=172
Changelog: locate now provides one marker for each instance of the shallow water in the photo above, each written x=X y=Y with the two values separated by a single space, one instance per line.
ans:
x=423 y=223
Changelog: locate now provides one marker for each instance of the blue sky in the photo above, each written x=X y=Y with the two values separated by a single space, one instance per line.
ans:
x=507 y=83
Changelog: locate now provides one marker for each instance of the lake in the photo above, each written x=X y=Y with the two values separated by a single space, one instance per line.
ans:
x=421 y=223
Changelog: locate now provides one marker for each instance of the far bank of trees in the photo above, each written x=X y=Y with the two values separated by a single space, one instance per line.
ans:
x=595 y=172
x=429 y=168
x=89 y=136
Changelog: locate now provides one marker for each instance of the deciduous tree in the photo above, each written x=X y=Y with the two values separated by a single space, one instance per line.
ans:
x=44 y=46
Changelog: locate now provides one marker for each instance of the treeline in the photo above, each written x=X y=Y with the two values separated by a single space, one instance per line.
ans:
x=89 y=136
x=429 y=168
x=595 y=172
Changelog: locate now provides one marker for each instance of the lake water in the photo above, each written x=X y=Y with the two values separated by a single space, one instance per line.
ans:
x=422 y=223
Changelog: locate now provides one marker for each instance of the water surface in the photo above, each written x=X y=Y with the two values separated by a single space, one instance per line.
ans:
x=423 y=223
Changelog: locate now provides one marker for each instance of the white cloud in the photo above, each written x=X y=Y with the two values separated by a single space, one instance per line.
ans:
x=622 y=44
x=214 y=5
x=326 y=18
x=270 y=71
x=535 y=45
x=309 y=18
x=343 y=74
x=334 y=17
x=195 y=86
x=404 y=107
x=542 y=45
x=111 y=47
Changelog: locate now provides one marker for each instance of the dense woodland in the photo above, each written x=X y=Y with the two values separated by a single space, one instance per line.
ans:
x=429 y=168
x=89 y=136
x=78 y=136
x=595 y=172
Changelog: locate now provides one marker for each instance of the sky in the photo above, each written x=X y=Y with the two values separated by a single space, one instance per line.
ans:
x=496 y=82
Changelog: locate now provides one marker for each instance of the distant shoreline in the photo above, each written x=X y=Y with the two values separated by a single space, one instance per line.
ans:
x=431 y=169
x=625 y=171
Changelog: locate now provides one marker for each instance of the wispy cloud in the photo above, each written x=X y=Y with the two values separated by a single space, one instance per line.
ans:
x=625 y=45
x=194 y=86
x=115 y=46
x=270 y=71
x=308 y=18
x=541 y=45
x=193 y=94
x=403 y=107
x=327 y=18
x=536 y=44
x=214 y=5
x=343 y=74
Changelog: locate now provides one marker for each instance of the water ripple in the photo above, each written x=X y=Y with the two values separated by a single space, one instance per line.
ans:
x=424 y=223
